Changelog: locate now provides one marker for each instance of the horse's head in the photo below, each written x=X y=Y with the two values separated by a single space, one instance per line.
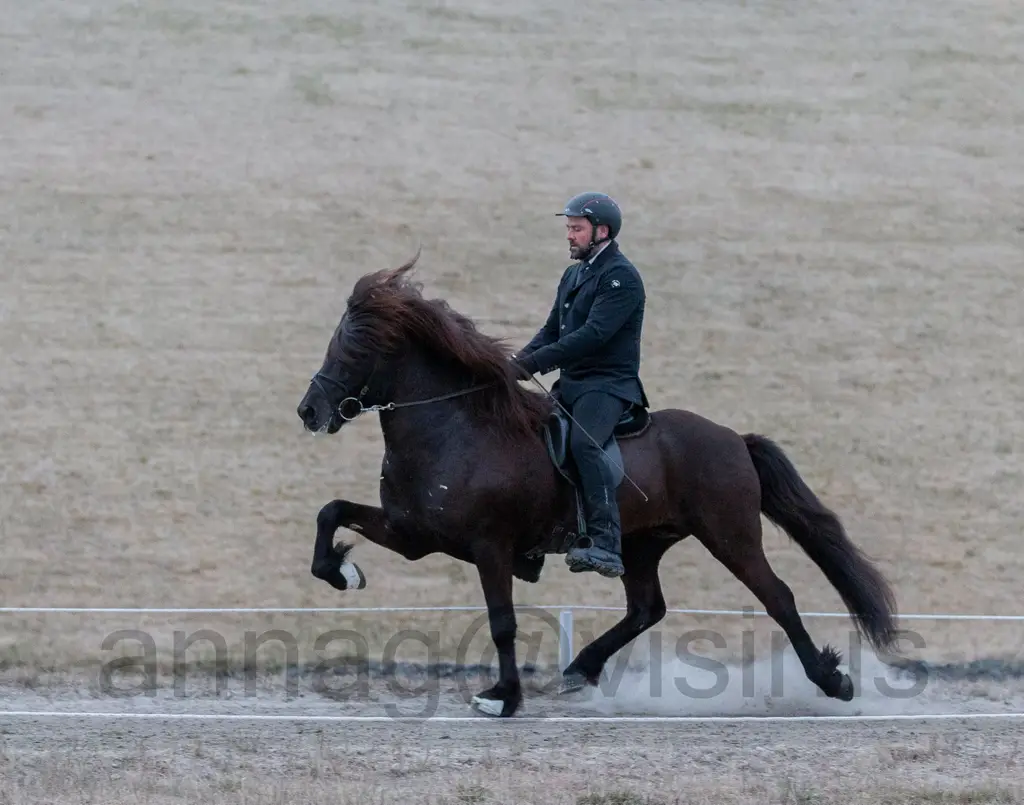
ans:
x=390 y=336
x=334 y=391
x=354 y=374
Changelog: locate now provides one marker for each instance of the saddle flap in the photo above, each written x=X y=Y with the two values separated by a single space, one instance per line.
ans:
x=556 y=437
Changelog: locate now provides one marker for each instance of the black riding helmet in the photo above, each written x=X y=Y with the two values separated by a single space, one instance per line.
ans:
x=598 y=208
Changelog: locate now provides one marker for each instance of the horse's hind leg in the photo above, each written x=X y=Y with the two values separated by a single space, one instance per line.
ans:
x=739 y=547
x=645 y=607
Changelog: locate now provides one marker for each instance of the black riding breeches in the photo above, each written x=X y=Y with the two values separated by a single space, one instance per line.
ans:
x=597 y=414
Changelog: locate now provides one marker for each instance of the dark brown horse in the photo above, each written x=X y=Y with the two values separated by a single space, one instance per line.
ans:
x=469 y=470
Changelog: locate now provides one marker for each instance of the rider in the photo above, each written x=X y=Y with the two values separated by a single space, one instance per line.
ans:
x=592 y=335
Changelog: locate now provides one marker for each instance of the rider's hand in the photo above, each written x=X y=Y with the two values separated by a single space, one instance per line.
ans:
x=524 y=367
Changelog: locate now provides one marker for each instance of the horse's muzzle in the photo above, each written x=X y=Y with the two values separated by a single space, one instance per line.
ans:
x=307 y=413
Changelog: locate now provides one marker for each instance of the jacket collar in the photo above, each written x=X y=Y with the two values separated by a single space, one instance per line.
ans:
x=601 y=249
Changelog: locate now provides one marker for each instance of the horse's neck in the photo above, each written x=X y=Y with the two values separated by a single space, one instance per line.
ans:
x=427 y=420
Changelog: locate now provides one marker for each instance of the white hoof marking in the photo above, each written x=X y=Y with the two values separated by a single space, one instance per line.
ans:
x=353 y=578
x=491 y=707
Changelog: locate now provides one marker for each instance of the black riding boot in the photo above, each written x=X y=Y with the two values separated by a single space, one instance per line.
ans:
x=601 y=548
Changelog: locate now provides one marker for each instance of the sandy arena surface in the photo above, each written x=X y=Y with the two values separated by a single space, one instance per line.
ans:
x=252 y=743
x=487 y=761
x=160 y=761
x=412 y=738
x=827 y=205
x=773 y=686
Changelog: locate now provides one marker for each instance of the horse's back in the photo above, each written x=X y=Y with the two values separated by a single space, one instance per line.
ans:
x=690 y=448
x=689 y=427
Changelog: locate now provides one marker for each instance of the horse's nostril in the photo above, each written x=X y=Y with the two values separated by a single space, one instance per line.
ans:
x=306 y=413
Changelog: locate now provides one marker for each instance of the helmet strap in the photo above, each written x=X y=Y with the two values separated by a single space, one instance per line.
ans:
x=593 y=242
x=593 y=237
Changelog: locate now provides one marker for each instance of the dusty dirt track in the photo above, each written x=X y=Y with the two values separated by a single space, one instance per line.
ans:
x=162 y=761
x=259 y=741
x=826 y=203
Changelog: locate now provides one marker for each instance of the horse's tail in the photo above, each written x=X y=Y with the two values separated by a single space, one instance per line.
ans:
x=789 y=503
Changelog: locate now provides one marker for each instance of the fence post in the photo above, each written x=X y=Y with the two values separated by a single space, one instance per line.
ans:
x=565 y=629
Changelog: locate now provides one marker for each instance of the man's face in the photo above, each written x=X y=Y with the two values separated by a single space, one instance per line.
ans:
x=578 y=232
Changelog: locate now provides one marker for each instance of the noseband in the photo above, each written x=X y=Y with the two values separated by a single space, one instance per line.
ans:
x=320 y=378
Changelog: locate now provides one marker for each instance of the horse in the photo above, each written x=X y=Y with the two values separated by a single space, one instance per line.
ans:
x=475 y=467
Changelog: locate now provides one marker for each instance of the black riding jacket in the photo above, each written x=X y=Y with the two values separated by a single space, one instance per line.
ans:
x=592 y=334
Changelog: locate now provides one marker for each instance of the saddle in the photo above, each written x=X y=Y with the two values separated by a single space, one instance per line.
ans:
x=634 y=422
x=556 y=436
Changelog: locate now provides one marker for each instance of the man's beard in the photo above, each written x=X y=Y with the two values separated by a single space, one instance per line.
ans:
x=581 y=252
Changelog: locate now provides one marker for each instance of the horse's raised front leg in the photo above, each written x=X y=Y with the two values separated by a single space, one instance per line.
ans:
x=494 y=565
x=330 y=561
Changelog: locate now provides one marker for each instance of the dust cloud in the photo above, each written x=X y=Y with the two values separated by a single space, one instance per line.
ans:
x=774 y=685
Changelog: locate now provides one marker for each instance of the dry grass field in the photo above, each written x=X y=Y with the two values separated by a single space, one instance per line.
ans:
x=826 y=202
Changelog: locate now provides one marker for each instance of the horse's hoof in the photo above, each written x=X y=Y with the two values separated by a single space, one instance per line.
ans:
x=489 y=707
x=353 y=576
x=343 y=576
x=845 y=690
x=571 y=683
x=495 y=702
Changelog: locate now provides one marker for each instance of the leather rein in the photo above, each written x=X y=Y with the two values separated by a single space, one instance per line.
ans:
x=319 y=378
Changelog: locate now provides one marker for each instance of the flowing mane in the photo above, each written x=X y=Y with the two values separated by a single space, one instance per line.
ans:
x=385 y=309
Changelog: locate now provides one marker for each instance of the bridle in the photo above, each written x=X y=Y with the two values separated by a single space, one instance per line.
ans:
x=319 y=378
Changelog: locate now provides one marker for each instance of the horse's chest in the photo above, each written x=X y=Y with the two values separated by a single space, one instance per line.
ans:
x=416 y=503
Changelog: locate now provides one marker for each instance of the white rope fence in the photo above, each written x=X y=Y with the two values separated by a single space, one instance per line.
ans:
x=565 y=615
x=584 y=607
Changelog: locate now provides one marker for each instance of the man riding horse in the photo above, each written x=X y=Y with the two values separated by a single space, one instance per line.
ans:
x=592 y=336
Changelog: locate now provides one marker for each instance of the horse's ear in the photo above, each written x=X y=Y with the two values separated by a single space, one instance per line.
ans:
x=364 y=287
x=395 y=277
x=409 y=265
x=388 y=279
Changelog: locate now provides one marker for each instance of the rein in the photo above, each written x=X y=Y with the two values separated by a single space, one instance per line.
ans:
x=318 y=379
x=391 y=406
